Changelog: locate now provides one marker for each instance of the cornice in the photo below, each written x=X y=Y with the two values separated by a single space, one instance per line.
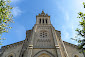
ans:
x=12 y=45
x=73 y=45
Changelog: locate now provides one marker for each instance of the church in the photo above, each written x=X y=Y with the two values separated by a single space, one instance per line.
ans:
x=42 y=41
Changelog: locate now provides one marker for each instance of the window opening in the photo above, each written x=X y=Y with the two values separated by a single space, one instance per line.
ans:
x=40 y=21
x=43 y=34
x=43 y=21
x=75 y=56
x=10 y=56
x=46 y=21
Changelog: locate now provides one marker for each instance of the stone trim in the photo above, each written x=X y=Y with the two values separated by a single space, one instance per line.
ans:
x=12 y=53
x=73 y=45
x=44 y=48
x=42 y=15
x=47 y=52
x=12 y=45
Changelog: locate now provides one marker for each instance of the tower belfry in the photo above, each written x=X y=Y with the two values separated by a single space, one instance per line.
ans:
x=43 y=19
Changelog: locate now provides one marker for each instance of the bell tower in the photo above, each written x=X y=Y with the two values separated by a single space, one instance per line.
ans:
x=43 y=19
x=43 y=34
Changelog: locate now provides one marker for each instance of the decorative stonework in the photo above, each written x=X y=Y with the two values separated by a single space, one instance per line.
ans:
x=75 y=46
x=11 y=55
x=43 y=15
x=44 y=40
x=43 y=27
x=43 y=34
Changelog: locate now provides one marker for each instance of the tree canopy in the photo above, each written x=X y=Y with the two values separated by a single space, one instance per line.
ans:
x=6 y=17
x=81 y=32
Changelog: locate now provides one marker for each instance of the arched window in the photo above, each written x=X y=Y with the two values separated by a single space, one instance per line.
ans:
x=40 y=21
x=75 y=56
x=43 y=21
x=44 y=55
x=22 y=55
x=46 y=21
x=10 y=55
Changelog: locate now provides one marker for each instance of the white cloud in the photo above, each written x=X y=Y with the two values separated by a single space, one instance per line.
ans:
x=76 y=43
x=71 y=21
x=79 y=6
x=66 y=26
x=66 y=34
x=63 y=10
x=16 y=11
x=67 y=16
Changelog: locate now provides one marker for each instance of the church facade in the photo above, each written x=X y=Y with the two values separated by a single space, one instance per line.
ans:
x=42 y=41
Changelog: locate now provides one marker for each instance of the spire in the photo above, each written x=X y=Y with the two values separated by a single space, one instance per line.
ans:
x=43 y=14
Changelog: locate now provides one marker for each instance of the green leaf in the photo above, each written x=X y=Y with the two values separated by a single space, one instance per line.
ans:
x=84 y=51
x=83 y=3
x=84 y=14
x=4 y=20
x=79 y=41
x=10 y=27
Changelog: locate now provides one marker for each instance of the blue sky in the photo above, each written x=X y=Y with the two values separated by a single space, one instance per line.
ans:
x=63 y=17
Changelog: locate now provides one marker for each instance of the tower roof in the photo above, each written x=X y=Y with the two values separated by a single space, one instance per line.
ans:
x=43 y=14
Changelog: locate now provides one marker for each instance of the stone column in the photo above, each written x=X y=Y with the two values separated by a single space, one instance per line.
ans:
x=44 y=21
x=41 y=21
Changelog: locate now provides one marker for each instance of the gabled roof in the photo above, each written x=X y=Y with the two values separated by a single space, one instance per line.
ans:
x=73 y=45
x=12 y=45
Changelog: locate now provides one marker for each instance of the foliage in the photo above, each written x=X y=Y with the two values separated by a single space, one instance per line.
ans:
x=81 y=32
x=6 y=16
x=84 y=4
